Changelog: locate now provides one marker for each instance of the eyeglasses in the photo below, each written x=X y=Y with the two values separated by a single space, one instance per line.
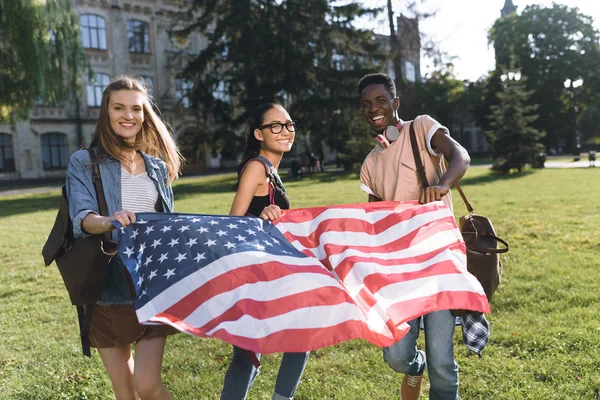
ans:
x=277 y=127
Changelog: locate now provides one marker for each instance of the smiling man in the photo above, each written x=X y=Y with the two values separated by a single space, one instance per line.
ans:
x=389 y=173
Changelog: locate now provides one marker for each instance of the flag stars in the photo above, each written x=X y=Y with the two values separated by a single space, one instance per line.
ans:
x=259 y=246
x=156 y=243
x=128 y=252
x=134 y=234
x=184 y=228
x=211 y=243
x=140 y=281
x=241 y=238
x=169 y=273
x=144 y=293
x=267 y=243
x=174 y=241
x=192 y=242
x=194 y=220
x=229 y=245
x=221 y=233
x=163 y=257
x=180 y=257
x=203 y=229
x=250 y=232
x=152 y=274
x=232 y=226
x=149 y=229
x=213 y=222
x=142 y=247
x=199 y=257
x=137 y=267
x=122 y=230
x=166 y=228
x=148 y=261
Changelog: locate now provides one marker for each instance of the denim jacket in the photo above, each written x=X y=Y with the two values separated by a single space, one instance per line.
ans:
x=82 y=201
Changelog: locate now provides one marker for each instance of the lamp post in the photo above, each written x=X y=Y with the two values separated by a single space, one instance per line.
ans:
x=571 y=87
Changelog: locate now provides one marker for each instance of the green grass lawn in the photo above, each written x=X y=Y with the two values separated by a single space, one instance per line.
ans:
x=545 y=325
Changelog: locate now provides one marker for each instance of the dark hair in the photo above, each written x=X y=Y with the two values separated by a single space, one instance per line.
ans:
x=375 y=79
x=252 y=146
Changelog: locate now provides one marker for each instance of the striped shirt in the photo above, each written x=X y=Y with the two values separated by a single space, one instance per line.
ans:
x=138 y=193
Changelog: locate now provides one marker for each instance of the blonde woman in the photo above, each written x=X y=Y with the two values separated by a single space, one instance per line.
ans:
x=138 y=160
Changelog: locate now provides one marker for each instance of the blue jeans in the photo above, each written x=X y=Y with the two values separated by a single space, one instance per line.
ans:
x=241 y=373
x=404 y=357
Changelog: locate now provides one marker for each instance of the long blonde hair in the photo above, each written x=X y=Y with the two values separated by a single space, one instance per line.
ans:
x=154 y=138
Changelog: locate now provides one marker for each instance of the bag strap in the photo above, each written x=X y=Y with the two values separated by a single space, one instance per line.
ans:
x=272 y=176
x=97 y=179
x=421 y=169
x=84 y=315
x=417 y=156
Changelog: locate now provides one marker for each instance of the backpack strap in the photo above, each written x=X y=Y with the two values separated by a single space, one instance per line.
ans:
x=272 y=176
x=417 y=156
x=84 y=314
x=421 y=169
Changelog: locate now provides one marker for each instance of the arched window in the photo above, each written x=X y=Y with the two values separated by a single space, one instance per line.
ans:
x=94 y=89
x=138 y=35
x=55 y=153
x=93 y=31
x=7 y=155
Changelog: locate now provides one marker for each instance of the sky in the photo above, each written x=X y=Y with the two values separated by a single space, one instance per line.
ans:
x=460 y=28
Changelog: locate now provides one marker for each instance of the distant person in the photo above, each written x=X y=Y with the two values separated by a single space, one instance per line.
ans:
x=592 y=158
x=389 y=173
x=262 y=194
x=138 y=161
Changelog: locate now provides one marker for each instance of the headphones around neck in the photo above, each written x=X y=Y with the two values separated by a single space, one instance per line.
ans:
x=388 y=136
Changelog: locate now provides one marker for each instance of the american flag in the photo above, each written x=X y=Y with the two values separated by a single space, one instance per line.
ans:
x=317 y=277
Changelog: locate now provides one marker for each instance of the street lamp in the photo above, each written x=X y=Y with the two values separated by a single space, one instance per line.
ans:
x=572 y=89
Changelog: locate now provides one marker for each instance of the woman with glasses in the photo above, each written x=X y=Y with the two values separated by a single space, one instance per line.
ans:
x=260 y=192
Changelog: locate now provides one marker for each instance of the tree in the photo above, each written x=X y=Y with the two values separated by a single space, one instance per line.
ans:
x=40 y=54
x=513 y=142
x=550 y=45
x=306 y=54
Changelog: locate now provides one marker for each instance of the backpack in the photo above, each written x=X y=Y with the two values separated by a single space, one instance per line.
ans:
x=82 y=262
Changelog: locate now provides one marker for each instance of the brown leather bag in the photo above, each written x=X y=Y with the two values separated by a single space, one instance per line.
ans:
x=483 y=254
x=82 y=262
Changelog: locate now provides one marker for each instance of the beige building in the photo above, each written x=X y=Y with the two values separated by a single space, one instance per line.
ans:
x=119 y=36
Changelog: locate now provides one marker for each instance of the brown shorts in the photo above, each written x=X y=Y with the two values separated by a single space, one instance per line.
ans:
x=117 y=326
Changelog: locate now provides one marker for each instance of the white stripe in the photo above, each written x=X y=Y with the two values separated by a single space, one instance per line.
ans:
x=302 y=228
x=262 y=291
x=223 y=265
x=304 y=318
x=138 y=192
x=361 y=270
x=427 y=286
x=435 y=241
x=350 y=238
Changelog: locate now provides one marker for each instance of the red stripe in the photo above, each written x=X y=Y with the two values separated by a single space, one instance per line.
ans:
x=345 y=267
x=325 y=296
x=237 y=277
x=299 y=216
x=350 y=226
x=297 y=340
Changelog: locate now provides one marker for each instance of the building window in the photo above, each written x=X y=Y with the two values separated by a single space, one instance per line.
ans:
x=54 y=151
x=138 y=35
x=93 y=31
x=94 y=89
x=183 y=87
x=7 y=155
x=409 y=71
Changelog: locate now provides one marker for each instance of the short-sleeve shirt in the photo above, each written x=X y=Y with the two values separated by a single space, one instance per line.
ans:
x=391 y=173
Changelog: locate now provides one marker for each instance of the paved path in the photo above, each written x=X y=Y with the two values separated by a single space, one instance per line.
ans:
x=46 y=189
